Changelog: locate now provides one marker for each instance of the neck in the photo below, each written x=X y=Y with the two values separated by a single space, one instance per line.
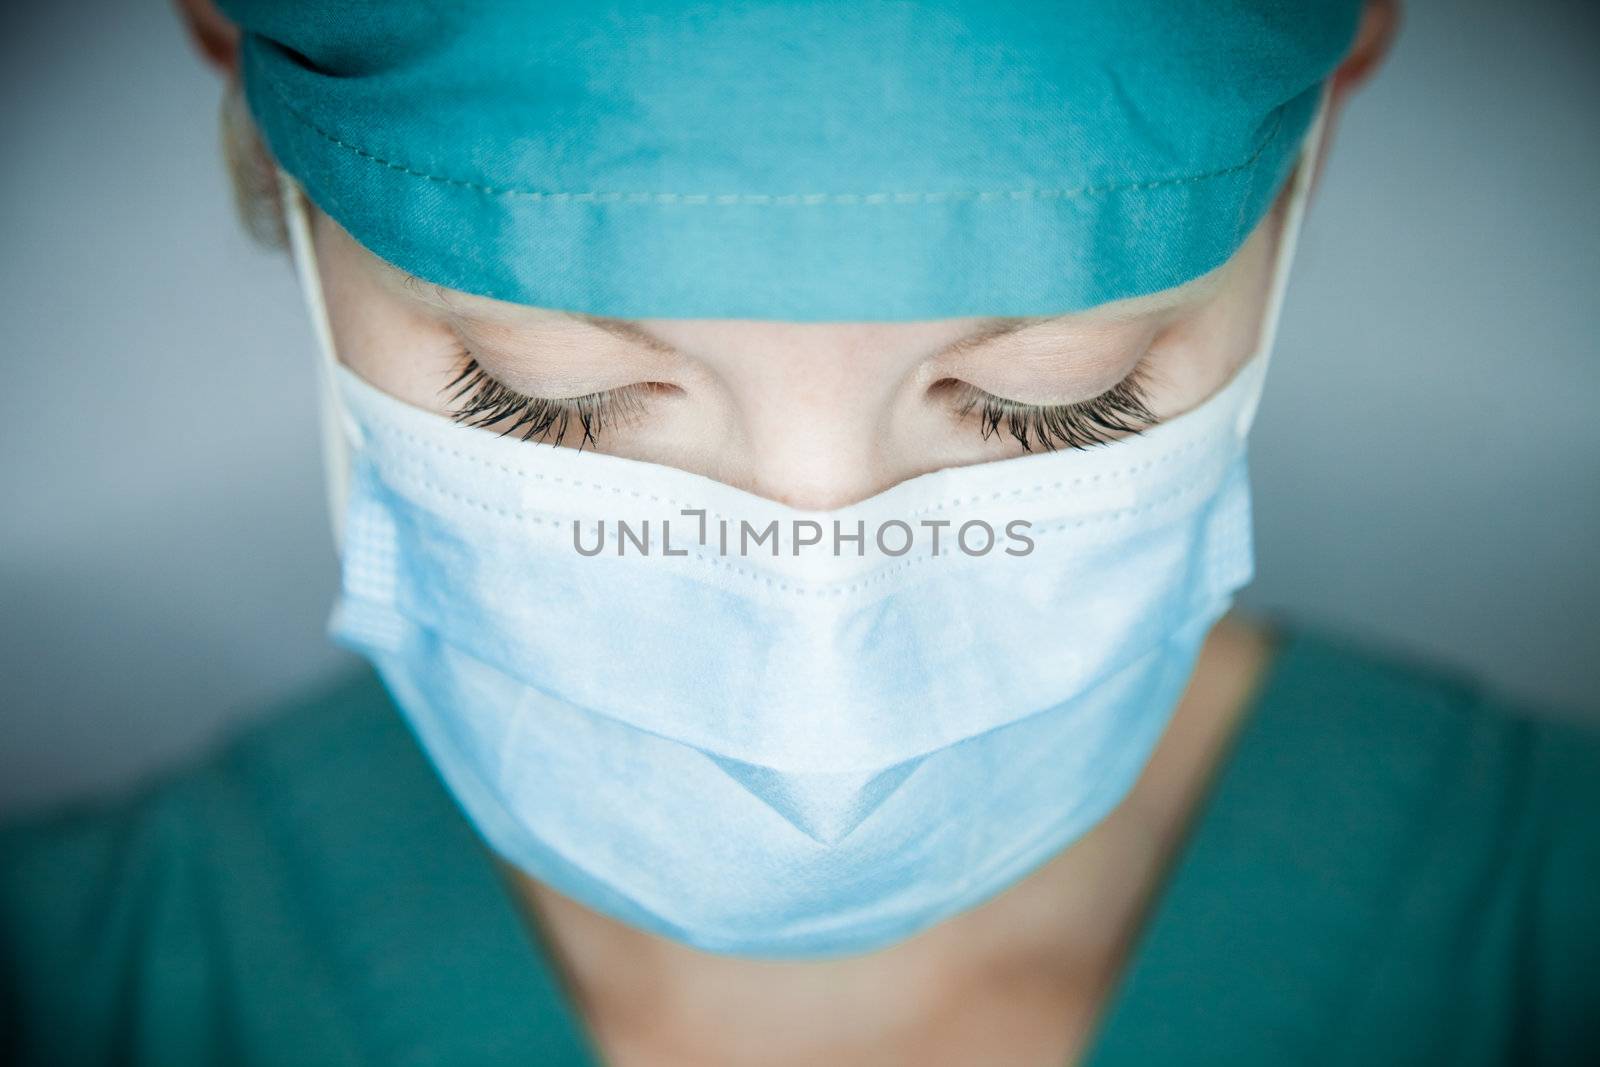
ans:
x=1063 y=930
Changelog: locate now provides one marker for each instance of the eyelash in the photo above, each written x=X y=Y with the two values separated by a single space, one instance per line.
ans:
x=1122 y=409
x=487 y=402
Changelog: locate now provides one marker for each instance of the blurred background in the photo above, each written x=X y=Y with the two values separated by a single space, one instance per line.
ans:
x=1427 y=457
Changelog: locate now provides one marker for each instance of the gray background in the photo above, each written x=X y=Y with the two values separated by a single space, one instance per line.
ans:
x=1427 y=456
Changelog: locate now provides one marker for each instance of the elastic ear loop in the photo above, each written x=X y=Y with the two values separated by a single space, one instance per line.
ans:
x=1299 y=195
x=338 y=429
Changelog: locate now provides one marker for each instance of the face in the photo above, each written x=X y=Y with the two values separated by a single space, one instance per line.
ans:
x=816 y=416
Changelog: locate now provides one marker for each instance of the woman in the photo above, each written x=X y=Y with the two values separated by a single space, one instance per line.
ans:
x=788 y=468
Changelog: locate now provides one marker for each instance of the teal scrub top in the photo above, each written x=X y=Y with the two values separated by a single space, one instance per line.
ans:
x=1392 y=866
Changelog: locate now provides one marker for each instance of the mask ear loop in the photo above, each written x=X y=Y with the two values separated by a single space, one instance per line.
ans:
x=339 y=431
x=1283 y=259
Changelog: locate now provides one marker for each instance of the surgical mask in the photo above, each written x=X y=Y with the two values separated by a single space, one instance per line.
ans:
x=815 y=747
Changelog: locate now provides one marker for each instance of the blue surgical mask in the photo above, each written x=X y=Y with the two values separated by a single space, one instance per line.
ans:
x=817 y=745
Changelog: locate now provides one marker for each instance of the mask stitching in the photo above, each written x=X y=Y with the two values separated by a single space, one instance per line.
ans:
x=782 y=199
x=882 y=574
x=1039 y=487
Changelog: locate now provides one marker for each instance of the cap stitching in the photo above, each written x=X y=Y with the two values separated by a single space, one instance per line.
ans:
x=782 y=199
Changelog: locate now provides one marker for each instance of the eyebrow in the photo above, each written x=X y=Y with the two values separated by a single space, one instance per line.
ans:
x=987 y=331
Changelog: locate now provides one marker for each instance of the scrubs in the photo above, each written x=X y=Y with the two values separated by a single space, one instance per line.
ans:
x=1392 y=866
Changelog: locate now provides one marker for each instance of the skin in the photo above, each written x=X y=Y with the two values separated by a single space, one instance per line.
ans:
x=819 y=416
x=814 y=415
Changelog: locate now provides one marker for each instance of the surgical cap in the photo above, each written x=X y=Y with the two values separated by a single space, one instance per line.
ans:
x=862 y=161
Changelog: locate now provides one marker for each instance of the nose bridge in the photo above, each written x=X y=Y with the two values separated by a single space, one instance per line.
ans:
x=821 y=457
x=816 y=433
x=817 y=469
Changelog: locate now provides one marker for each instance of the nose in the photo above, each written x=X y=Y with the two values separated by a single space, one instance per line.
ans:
x=818 y=416
x=815 y=462
x=822 y=440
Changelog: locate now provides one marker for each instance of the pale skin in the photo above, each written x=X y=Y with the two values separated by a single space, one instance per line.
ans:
x=819 y=416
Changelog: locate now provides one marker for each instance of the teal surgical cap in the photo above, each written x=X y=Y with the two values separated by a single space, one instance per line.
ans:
x=860 y=161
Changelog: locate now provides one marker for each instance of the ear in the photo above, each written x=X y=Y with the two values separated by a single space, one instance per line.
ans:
x=1380 y=21
x=216 y=38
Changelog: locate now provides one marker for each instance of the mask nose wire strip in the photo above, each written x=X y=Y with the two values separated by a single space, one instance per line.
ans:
x=1299 y=194
x=337 y=428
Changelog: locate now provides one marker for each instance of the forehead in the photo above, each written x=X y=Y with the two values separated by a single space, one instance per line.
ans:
x=968 y=334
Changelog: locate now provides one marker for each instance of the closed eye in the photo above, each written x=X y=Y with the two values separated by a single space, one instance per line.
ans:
x=478 y=399
x=1121 y=410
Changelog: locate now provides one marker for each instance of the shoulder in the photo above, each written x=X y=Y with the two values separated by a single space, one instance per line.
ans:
x=1460 y=824
x=1401 y=718
x=166 y=893
x=288 y=754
